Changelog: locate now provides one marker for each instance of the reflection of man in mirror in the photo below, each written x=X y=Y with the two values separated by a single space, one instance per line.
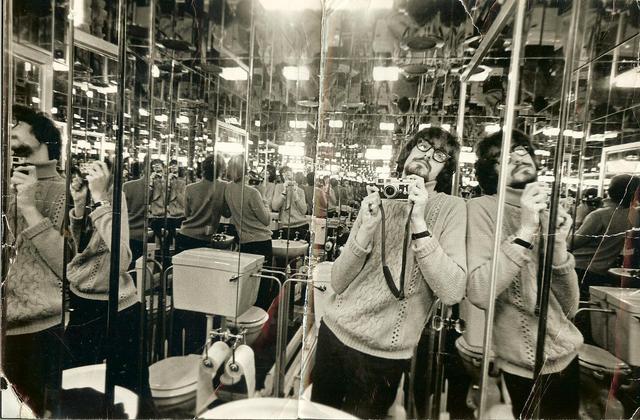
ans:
x=289 y=200
x=134 y=192
x=590 y=202
x=33 y=286
x=383 y=296
x=516 y=321
x=598 y=243
x=268 y=185
x=177 y=184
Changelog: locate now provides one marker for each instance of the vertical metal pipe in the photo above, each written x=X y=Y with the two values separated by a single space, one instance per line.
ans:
x=6 y=67
x=114 y=268
x=142 y=283
x=462 y=102
x=512 y=95
x=555 y=195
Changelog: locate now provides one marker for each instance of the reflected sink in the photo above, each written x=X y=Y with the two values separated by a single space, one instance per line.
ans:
x=296 y=248
x=221 y=241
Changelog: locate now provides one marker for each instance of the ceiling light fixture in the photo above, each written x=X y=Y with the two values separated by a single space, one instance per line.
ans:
x=389 y=74
x=295 y=72
x=233 y=73
x=384 y=126
x=336 y=123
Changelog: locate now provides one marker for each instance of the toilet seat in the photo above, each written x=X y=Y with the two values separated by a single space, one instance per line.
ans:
x=174 y=376
x=597 y=359
x=251 y=317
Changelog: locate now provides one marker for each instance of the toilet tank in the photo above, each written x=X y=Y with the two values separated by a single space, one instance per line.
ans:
x=474 y=319
x=599 y=320
x=624 y=328
x=215 y=281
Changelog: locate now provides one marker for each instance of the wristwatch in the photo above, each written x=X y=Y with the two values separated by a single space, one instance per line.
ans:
x=423 y=234
x=522 y=243
x=101 y=203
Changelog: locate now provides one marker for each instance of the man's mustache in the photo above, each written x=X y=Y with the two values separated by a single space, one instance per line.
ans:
x=520 y=166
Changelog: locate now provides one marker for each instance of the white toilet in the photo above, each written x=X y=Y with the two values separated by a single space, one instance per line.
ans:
x=173 y=382
x=597 y=370
x=253 y=320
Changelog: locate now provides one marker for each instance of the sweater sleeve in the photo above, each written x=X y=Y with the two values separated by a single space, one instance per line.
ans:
x=564 y=286
x=187 y=203
x=278 y=198
x=350 y=261
x=258 y=208
x=102 y=218
x=443 y=261
x=300 y=201
x=590 y=227
x=481 y=232
x=46 y=236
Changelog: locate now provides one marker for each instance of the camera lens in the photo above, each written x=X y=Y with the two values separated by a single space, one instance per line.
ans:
x=390 y=191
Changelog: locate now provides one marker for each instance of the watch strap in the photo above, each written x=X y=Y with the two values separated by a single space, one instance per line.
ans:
x=522 y=243
x=423 y=234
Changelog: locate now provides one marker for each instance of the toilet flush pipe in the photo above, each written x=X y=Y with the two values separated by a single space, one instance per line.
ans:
x=512 y=95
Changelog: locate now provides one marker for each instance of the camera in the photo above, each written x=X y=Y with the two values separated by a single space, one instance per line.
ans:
x=18 y=164
x=394 y=188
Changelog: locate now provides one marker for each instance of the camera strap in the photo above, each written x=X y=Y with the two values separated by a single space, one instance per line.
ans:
x=398 y=293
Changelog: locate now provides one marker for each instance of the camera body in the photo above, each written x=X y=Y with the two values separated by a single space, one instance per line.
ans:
x=394 y=188
x=17 y=163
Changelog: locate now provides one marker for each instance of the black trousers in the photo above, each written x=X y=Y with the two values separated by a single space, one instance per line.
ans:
x=31 y=365
x=558 y=394
x=184 y=242
x=267 y=291
x=86 y=340
x=344 y=378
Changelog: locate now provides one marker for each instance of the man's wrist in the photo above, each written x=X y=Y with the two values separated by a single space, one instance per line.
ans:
x=418 y=226
x=526 y=234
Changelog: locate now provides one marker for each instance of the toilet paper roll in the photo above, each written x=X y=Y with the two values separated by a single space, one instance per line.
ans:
x=245 y=361
x=217 y=355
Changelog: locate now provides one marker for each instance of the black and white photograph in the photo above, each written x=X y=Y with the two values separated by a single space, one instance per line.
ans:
x=320 y=209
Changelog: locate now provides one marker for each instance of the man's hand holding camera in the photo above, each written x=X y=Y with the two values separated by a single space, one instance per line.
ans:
x=532 y=202
x=370 y=209
x=24 y=181
x=98 y=181
x=419 y=196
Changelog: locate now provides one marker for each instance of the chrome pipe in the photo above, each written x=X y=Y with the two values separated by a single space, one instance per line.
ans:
x=512 y=95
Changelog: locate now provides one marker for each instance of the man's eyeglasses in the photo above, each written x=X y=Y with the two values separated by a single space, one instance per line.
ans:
x=518 y=150
x=439 y=155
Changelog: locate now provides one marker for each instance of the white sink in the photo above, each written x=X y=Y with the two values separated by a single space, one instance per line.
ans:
x=292 y=249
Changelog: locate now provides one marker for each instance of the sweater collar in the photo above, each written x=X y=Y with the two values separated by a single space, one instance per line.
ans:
x=430 y=186
x=46 y=169
x=512 y=196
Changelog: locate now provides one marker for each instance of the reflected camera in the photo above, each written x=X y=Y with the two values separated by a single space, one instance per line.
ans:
x=17 y=163
x=394 y=188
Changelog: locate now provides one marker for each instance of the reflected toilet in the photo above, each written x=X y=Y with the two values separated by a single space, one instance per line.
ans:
x=173 y=383
x=252 y=320
x=600 y=373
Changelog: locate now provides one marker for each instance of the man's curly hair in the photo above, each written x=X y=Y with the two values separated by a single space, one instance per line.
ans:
x=488 y=153
x=448 y=141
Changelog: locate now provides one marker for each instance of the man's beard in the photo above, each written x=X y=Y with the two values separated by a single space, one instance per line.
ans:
x=519 y=185
x=418 y=167
x=23 y=151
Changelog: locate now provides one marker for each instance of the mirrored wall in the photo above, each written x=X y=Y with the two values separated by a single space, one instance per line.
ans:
x=405 y=209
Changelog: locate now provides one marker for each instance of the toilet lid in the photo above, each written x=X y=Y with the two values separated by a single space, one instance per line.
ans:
x=597 y=358
x=253 y=315
x=174 y=373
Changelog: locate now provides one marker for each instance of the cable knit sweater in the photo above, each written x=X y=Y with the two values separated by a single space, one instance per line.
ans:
x=34 y=280
x=88 y=272
x=515 y=323
x=363 y=313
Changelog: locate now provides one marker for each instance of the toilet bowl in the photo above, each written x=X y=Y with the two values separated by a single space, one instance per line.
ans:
x=471 y=358
x=597 y=370
x=252 y=320
x=173 y=382
x=321 y=290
